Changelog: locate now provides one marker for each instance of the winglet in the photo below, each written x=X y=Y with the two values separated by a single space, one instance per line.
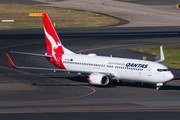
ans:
x=10 y=61
x=162 y=55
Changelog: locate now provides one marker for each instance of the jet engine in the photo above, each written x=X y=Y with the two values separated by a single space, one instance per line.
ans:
x=98 y=79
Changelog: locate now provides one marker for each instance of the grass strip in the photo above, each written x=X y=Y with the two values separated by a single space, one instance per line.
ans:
x=64 y=18
x=171 y=54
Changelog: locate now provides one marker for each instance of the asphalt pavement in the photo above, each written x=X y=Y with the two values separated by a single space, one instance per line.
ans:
x=32 y=94
x=46 y=91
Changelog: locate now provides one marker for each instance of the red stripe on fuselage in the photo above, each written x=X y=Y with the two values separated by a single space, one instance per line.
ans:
x=57 y=62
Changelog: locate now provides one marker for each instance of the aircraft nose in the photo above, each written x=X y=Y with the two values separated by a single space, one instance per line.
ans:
x=170 y=76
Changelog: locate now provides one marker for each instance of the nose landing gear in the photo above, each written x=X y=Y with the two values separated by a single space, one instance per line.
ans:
x=158 y=86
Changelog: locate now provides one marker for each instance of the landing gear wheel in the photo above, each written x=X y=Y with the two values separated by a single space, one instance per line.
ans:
x=117 y=82
x=158 y=88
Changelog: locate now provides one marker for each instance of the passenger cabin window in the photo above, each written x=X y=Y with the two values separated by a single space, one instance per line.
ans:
x=87 y=64
x=109 y=66
x=160 y=70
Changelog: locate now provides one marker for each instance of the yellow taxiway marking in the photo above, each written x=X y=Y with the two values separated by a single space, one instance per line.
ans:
x=5 y=81
x=28 y=73
x=104 y=3
x=68 y=98
x=106 y=47
x=43 y=76
x=178 y=6
x=9 y=74
x=20 y=44
x=15 y=80
x=77 y=96
x=129 y=21
x=26 y=80
x=65 y=81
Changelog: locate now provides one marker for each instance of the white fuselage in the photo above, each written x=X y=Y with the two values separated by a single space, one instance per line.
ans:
x=122 y=68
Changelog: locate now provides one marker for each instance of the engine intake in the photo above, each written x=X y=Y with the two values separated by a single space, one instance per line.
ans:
x=98 y=79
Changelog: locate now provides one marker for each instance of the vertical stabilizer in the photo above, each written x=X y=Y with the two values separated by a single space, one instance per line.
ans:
x=53 y=42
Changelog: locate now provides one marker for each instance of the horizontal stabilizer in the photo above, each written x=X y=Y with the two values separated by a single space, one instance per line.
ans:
x=41 y=55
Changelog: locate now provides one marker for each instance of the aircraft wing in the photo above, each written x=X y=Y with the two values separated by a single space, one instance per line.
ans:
x=52 y=69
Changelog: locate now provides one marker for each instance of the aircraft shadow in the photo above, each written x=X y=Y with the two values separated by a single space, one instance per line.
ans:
x=76 y=81
x=83 y=81
x=149 y=86
x=74 y=78
x=59 y=84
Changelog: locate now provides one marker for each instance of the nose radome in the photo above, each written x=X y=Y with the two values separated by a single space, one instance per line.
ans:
x=170 y=76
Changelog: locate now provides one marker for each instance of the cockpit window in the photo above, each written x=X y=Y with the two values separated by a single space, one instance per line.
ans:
x=160 y=70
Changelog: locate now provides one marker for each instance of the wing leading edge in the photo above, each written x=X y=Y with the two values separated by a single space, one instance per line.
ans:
x=51 y=69
x=31 y=54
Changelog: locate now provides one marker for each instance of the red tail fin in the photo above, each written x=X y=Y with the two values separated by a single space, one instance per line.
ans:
x=53 y=43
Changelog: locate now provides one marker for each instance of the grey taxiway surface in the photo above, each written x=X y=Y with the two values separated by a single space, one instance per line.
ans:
x=33 y=94
x=32 y=91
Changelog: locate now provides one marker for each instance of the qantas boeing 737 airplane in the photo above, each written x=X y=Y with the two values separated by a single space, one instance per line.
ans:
x=98 y=68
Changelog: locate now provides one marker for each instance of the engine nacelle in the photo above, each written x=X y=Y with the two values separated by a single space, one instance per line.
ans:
x=98 y=79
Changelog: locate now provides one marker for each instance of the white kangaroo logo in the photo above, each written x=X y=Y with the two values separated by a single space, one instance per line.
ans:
x=53 y=43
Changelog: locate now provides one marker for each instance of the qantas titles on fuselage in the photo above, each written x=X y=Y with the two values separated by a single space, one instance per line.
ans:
x=133 y=66
x=99 y=69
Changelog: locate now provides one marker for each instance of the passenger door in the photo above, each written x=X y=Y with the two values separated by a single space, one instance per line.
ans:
x=149 y=72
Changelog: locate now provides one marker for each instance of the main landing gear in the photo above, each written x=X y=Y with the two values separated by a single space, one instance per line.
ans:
x=117 y=82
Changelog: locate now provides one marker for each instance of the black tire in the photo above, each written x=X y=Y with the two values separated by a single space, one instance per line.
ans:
x=117 y=82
